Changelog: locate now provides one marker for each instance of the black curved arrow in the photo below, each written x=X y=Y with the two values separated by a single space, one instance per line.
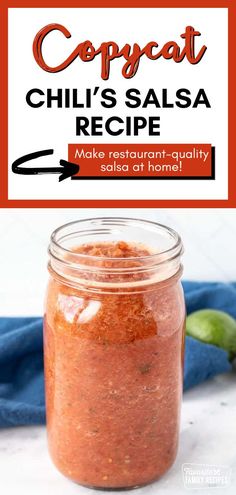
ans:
x=67 y=169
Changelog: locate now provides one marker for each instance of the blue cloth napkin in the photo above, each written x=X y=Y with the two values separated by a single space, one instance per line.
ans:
x=21 y=358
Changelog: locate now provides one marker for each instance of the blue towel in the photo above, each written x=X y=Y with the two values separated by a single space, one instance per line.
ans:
x=21 y=358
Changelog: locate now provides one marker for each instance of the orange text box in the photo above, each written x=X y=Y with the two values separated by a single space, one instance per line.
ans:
x=143 y=160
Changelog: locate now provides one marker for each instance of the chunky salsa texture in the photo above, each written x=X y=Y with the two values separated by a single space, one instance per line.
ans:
x=113 y=368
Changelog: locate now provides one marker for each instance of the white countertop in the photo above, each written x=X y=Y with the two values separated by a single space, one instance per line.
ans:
x=208 y=436
x=208 y=427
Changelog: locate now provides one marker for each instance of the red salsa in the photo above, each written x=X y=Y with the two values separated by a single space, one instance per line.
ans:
x=113 y=367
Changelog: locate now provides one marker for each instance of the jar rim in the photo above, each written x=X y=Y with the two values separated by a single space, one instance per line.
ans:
x=169 y=253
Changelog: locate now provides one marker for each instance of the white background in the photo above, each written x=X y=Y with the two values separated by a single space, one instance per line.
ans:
x=34 y=129
x=209 y=238
x=208 y=413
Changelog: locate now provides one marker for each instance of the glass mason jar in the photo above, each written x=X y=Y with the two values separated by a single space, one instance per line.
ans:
x=113 y=346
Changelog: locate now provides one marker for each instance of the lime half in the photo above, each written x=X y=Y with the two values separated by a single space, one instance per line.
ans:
x=213 y=327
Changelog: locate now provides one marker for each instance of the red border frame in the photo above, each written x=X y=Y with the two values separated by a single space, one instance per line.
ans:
x=8 y=203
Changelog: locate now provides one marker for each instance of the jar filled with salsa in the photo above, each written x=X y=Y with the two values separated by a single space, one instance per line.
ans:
x=113 y=349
